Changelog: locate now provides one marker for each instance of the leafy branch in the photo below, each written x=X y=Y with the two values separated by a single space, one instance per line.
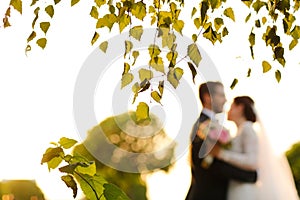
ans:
x=93 y=185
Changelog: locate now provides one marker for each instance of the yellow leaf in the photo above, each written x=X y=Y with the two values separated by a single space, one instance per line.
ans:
x=135 y=55
x=103 y=46
x=31 y=36
x=168 y=40
x=161 y=87
x=108 y=20
x=145 y=74
x=124 y=21
x=178 y=26
x=157 y=64
x=42 y=42
x=17 y=4
x=94 y=12
x=135 y=89
x=228 y=12
x=278 y=76
x=126 y=68
x=50 y=10
x=89 y=170
x=139 y=10
x=178 y=72
x=153 y=20
x=156 y=96
x=44 y=26
x=171 y=78
x=293 y=44
x=233 y=84
x=136 y=32
x=142 y=112
x=73 y=2
x=194 y=54
x=266 y=66
x=128 y=47
x=193 y=11
x=100 y=2
x=218 y=22
x=95 y=38
x=126 y=79
x=154 y=50
x=197 y=22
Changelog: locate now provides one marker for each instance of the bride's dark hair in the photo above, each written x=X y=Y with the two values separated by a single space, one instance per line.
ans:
x=248 y=104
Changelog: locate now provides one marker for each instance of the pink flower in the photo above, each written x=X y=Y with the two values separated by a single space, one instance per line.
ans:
x=221 y=135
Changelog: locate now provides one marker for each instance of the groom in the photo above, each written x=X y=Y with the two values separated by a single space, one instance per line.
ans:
x=211 y=183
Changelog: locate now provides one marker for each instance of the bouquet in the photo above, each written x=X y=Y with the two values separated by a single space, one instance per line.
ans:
x=215 y=134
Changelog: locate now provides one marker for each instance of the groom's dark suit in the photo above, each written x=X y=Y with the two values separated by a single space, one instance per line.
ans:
x=212 y=183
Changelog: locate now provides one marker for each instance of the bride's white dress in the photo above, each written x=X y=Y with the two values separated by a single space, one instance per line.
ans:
x=251 y=150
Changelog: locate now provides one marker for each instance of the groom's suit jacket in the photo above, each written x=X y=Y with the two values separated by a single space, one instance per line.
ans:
x=212 y=183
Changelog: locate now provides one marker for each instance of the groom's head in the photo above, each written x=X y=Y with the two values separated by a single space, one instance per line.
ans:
x=212 y=96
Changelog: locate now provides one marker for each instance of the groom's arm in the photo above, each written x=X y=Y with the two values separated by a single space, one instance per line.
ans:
x=221 y=168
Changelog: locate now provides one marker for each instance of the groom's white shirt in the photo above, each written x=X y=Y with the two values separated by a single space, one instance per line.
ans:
x=211 y=114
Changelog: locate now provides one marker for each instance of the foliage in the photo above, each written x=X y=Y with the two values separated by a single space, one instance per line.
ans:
x=119 y=131
x=293 y=156
x=272 y=21
x=79 y=170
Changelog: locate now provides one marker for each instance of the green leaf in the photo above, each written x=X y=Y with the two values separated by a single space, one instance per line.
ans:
x=135 y=55
x=156 y=96
x=94 y=12
x=67 y=142
x=266 y=66
x=99 y=3
x=136 y=32
x=228 y=12
x=126 y=68
x=103 y=46
x=31 y=36
x=42 y=42
x=128 y=47
x=278 y=75
x=70 y=182
x=157 y=63
x=73 y=2
x=44 y=26
x=142 y=112
x=50 y=10
x=112 y=192
x=178 y=26
x=86 y=181
x=124 y=22
x=194 y=54
x=126 y=79
x=193 y=70
x=145 y=74
x=54 y=163
x=89 y=169
x=51 y=153
x=161 y=87
x=293 y=44
x=95 y=38
x=233 y=84
x=17 y=4
x=139 y=10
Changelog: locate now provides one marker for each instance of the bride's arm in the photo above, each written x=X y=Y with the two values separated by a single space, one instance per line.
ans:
x=248 y=159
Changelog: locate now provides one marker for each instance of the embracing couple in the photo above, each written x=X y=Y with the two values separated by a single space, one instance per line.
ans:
x=246 y=170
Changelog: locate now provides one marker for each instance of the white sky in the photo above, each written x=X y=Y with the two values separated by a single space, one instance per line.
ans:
x=36 y=105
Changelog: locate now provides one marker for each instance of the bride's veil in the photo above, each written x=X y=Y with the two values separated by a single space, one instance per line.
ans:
x=275 y=180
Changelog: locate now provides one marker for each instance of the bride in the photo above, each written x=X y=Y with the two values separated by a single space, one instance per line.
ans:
x=251 y=150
